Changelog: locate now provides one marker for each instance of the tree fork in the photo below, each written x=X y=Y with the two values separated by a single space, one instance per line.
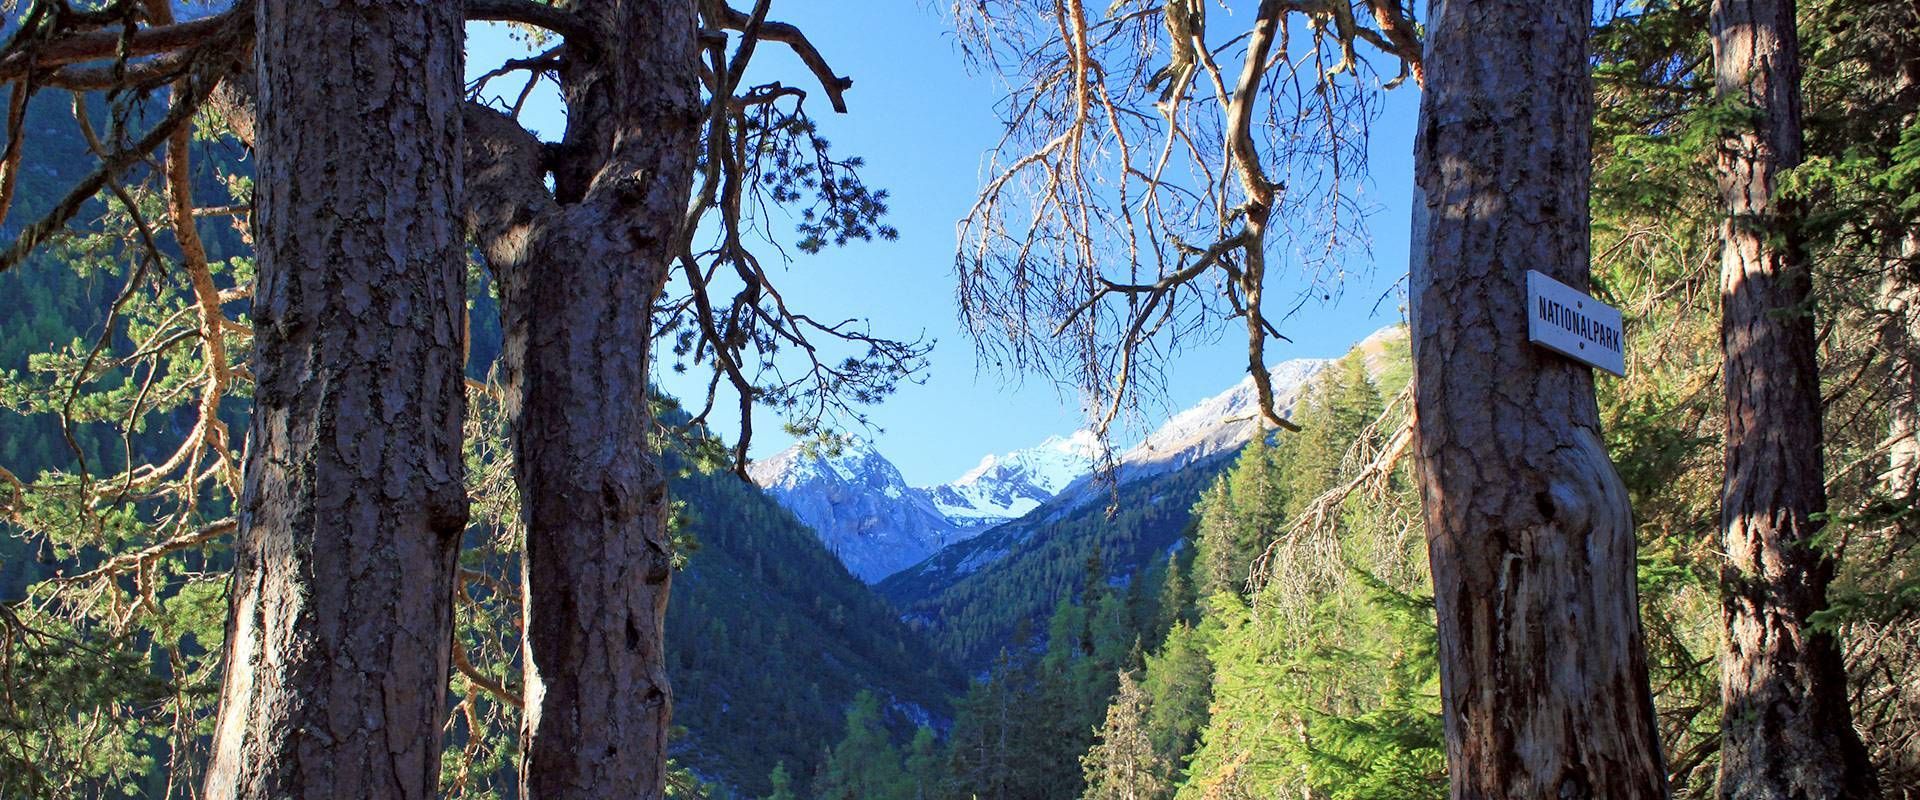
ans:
x=580 y=270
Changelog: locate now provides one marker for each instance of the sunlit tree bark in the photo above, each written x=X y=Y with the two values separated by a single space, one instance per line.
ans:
x=1787 y=731
x=1543 y=670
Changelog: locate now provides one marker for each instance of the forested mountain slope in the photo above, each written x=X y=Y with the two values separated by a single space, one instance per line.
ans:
x=769 y=638
x=975 y=597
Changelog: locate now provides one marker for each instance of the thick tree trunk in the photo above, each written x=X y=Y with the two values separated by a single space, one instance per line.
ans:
x=337 y=645
x=580 y=269
x=1786 y=729
x=1543 y=672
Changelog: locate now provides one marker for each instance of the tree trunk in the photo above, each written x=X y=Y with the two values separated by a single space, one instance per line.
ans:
x=580 y=269
x=1786 y=729
x=1900 y=341
x=1900 y=328
x=337 y=645
x=1543 y=672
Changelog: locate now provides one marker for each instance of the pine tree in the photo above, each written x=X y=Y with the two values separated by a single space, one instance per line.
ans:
x=925 y=776
x=350 y=521
x=1787 y=727
x=1179 y=688
x=1533 y=549
x=1174 y=601
x=1214 y=562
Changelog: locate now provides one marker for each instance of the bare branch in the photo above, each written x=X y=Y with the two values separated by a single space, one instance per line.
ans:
x=835 y=85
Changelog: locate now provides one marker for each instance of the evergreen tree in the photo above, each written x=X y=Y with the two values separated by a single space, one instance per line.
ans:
x=864 y=765
x=1179 y=688
x=925 y=774
x=1787 y=726
x=1123 y=764
x=1533 y=556
x=782 y=783
x=1214 y=563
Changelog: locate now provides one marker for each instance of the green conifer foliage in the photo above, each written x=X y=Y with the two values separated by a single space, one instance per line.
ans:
x=1123 y=763
x=864 y=765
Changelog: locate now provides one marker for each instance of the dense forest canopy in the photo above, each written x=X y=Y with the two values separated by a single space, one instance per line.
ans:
x=282 y=430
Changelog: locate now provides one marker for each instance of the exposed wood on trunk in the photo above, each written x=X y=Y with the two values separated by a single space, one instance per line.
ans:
x=338 y=641
x=1786 y=729
x=1543 y=671
x=580 y=270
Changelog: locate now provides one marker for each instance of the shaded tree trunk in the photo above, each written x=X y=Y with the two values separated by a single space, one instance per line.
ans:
x=338 y=641
x=580 y=268
x=1786 y=729
x=1543 y=671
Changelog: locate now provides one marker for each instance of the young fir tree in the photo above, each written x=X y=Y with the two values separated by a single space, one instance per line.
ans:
x=1324 y=685
x=782 y=783
x=1179 y=687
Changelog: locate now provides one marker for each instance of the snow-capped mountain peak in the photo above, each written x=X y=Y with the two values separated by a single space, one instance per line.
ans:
x=1224 y=421
x=1006 y=486
x=855 y=461
x=859 y=504
x=1051 y=464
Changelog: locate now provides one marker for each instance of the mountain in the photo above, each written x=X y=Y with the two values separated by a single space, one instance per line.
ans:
x=1005 y=487
x=975 y=597
x=859 y=506
x=866 y=514
x=1218 y=424
x=769 y=640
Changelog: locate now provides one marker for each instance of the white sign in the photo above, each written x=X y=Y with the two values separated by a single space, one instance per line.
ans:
x=1565 y=320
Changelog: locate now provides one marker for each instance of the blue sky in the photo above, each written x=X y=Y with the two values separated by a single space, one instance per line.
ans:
x=924 y=124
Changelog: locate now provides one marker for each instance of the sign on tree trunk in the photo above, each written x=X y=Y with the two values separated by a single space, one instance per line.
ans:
x=1567 y=321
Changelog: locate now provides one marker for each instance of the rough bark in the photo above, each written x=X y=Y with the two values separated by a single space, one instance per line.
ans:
x=1786 y=729
x=1543 y=672
x=337 y=645
x=579 y=270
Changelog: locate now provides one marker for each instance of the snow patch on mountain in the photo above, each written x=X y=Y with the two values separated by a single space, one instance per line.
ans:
x=1219 y=423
